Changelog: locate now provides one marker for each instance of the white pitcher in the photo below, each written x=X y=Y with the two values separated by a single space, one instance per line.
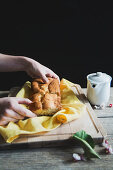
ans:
x=98 y=88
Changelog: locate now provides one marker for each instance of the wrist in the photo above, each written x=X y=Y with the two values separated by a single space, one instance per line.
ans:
x=23 y=62
x=17 y=63
x=29 y=63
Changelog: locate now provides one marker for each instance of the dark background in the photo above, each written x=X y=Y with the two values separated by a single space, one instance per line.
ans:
x=73 y=38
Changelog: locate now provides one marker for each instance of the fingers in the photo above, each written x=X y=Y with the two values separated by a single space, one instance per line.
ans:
x=23 y=111
x=12 y=110
x=55 y=76
x=52 y=74
x=9 y=119
x=23 y=101
x=2 y=123
x=38 y=70
x=44 y=78
x=5 y=120
x=13 y=114
x=44 y=71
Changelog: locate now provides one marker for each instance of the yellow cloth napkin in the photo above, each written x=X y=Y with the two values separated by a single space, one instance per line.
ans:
x=72 y=109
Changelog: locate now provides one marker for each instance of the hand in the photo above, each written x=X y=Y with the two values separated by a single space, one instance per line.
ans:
x=11 y=110
x=9 y=63
x=35 y=69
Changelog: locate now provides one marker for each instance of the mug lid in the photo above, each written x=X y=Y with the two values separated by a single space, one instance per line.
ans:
x=99 y=77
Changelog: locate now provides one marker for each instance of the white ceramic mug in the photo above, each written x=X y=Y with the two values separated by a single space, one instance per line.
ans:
x=98 y=88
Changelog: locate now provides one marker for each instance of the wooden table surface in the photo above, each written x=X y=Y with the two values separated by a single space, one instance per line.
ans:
x=60 y=157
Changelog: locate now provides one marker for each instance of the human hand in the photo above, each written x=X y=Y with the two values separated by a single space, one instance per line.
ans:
x=35 y=69
x=11 y=110
x=9 y=63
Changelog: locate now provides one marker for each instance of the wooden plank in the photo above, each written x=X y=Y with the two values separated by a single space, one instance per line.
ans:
x=20 y=157
x=97 y=124
x=108 y=124
x=64 y=133
x=53 y=158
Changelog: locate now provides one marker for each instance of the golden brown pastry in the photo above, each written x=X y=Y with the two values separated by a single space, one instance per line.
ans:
x=46 y=97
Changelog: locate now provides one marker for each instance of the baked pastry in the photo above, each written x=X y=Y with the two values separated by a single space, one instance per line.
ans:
x=46 y=97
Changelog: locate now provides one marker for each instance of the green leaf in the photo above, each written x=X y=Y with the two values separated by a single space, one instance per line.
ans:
x=83 y=135
x=87 y=143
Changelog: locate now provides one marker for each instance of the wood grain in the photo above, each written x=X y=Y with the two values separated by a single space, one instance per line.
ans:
x=87 y=122
x=57 y=158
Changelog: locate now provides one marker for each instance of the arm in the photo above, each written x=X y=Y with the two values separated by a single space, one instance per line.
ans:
x=10 y=108
x=9 y=63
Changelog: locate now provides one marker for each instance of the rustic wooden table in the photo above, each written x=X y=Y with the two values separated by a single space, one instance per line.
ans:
x=60 y=157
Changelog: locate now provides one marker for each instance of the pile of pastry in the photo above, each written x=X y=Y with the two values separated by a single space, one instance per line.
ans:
x=45 y=97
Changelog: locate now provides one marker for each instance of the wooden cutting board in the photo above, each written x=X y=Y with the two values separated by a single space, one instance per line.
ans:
x=63 y=134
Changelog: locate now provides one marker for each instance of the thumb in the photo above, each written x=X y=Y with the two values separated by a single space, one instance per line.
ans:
x=44 y=78
x=24 y=101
